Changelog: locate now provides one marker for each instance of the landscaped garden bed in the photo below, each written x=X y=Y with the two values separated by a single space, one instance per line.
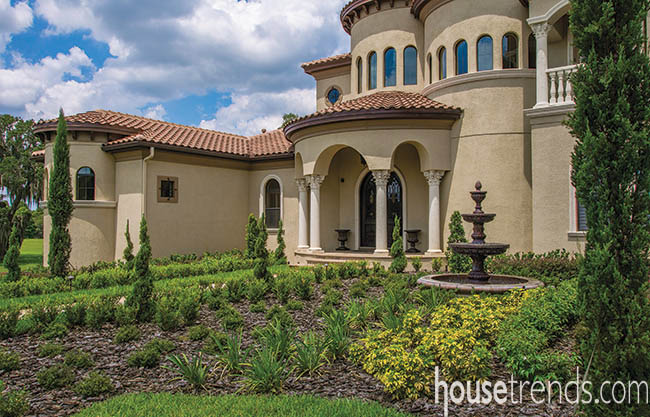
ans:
x=346 y=307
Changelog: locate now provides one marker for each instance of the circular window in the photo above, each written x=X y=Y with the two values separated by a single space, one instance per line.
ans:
x=333 y=95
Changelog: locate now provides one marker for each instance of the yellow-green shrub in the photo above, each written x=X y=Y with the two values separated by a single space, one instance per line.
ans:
x=458 y=339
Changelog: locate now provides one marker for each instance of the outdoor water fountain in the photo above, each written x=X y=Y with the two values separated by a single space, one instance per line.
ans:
x=478 y=250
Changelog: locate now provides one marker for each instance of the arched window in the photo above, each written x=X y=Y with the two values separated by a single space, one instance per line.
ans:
x=532 y=51
x=461 y=58
x=372 y=71
x=390 y=67
x=85 y=184
x=510 y=51
x=442 y=63
x=484 y=53
x=410 y=65
x=272 y=202
x=430 y=67
x=359 y=75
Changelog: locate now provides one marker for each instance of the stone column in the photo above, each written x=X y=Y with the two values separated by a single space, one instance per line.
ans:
x=381 y=232
x=541 y=31
x=314 y=218
x=303 y=231
x=433 y=178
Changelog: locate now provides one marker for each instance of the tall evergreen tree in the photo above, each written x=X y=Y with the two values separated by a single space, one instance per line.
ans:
x=128 y=250
x=59 y=204
x=251 y=236
x=11 y=257
x=261 y=253
x=279 y=256
x=397 y=250
x=142 y=296
x=457 y=263
x=611 y=173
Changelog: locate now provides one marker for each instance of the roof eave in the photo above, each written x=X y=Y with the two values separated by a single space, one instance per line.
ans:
x=90 y=127
x=313 y=68
x=377 y=114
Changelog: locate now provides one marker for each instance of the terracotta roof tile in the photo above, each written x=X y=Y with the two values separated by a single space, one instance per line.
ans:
x=325 y=63
x=175 y=135
x=378 y=104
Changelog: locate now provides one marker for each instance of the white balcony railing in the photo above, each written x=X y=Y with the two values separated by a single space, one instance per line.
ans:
x=559 y=81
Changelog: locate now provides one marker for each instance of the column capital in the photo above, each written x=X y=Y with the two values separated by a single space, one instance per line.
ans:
x=381 y=177
x=315 y=181
x=434 y=177
x=302 y=184
x=541 y=30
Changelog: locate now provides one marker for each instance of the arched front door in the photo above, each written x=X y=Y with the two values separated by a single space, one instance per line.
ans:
x=368 y=207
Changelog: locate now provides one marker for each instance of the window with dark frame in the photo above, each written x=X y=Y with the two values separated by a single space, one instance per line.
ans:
x=272 y=204
x=85 y=184
x=167 y=189
x=510 y=49
x=581 y=217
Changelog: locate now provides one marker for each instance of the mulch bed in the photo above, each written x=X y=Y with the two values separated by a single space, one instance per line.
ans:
x=336 y=380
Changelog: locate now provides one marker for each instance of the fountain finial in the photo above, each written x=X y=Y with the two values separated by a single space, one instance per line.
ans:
x=478 y=185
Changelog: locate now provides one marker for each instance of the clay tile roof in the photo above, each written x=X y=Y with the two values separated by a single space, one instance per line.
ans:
x=385 y=104
x=38 y=155
x=140 y=130
x=327 y=63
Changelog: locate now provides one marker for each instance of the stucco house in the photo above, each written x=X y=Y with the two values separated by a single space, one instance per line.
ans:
x=433 y=95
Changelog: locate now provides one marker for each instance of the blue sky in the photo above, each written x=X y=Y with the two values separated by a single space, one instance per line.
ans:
x=227 y=65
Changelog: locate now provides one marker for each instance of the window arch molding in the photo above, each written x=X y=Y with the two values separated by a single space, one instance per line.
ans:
x=390 y=67
x=485 y=53
x=510 y=51
x=441 y=59
x=410 y=64
x=263 y=197
x=461 y=57
x=85 y=184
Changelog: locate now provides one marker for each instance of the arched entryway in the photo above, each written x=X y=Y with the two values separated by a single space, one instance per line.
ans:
x=368 y=208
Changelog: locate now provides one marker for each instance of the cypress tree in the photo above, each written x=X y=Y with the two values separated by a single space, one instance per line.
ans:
x=261 y=253
x=457 y=263
x=397 y=250
x=611 y=164
x=59 y=204
x=142 y=296
x=251 y=236
x=279 y=256
x=128 y=250
x=11 y=257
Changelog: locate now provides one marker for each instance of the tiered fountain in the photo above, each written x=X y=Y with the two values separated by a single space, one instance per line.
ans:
x=478 y=250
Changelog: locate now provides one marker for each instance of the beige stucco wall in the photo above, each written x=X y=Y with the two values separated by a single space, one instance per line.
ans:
x=491 y=143
x=554 y=223
x=212 y=205
x=326 y=80
x=92 y=227
x=130 y=202
x=380 y=30
x=284 y=173
x=542 y=7
x=469 y=20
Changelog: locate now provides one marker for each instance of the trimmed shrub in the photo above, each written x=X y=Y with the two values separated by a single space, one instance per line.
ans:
x=142 y=295
x=125 y=315
x=282 y=288
x=294 y=305
x=8 y=320
x=13 y=403
x=256 y=290
x=189 y=306
x=278 y=256
x=55 y=330
x=78 y=359
x=50 y=350
x=236 y=290
x=230 y=318
x=551 y=267
x=417 y=264
x=75 y=314
x=251 y=236
x=168 y=317
x=160 y=345
x=129 y=259
x=126 y=334
x=259 y=307
x=94 y=384
x=101 y=310
x=11 y=257
x=303 y=285
x=457 y=263
x=397 y=249
x=198 y=332
x=9 y=361
x=56 y=376
x=147 y=357
x=280 y=315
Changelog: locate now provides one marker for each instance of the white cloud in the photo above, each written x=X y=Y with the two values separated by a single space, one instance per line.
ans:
x=155 y=112
x=13 y=20
x=249 y=114
x=165 y=50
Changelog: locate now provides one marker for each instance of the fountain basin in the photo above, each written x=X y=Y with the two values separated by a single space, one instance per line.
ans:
x=497 y=284
x=478 y=217
x=486 y=249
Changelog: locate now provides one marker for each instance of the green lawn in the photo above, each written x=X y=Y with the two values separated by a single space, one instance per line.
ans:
x=31 y=254
x=180 y=405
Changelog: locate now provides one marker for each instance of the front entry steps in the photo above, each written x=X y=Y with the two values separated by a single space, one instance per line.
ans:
x=305 y=257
